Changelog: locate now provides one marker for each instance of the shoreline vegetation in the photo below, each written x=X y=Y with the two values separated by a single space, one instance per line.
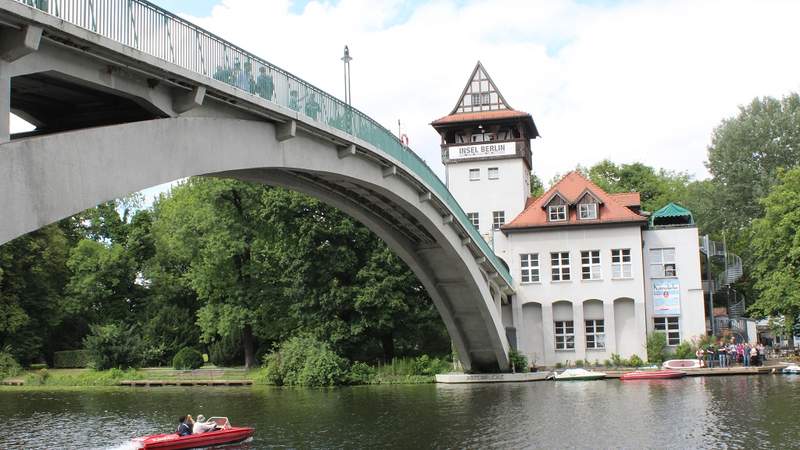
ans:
x=419 y=370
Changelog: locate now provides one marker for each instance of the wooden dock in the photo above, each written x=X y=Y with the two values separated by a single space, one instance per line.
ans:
x=705 y=372
x=13 y=383
x=155 y=383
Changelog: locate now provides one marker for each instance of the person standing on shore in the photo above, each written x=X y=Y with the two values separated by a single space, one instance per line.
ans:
x=722 y=355
x=699 y=354
x=753 y=356
x=746 y=355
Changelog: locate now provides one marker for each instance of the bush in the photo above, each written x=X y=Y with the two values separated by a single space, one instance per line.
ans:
x=579 y=363
x=187 y=359
x=559 y=365
x=71 y=359
x=635 y=361
x=519 y=363
x=9 y=367
x=113 y=345
x=607 y=363
x=38 y=378
x=305 y=361
x=361 y=373
x=685 y=350
x=616 y=360
x=656 y=347
x=227 y=351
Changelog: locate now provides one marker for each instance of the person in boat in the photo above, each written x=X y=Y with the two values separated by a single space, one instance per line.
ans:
x=201 y=426
x=185 y=425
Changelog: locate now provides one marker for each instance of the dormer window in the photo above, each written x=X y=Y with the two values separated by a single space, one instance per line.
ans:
x=587 y=211
x=557 y=213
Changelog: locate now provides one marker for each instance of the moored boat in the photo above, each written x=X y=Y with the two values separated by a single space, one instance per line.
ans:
x=652 y=375
x=172 y=441
x=682 y=364
x=579 y=375
x=792 y=369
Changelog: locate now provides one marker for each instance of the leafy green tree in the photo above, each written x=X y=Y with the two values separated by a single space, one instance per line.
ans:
x=776 y=249
x=656 y=187
x=746 y=154
x=537 y=187
x=32 y=275
x=212 y=227
x=103 y=285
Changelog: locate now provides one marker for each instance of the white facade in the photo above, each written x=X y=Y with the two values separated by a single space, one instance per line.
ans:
x=506 y=191
x=540 y=305
x=691 y=314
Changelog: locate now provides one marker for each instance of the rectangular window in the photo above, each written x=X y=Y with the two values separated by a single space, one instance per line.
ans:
x=485 y=99
x=476 y=99
x=475 y=219
x=559 y=266
x=590 y=265
x=595 y=334
x=662 y=263
x=558 y=213
x=565 y=335
x=529 y=267
x=669 y=326
x=474 y=174
x=587 y=211
x=498 y=219
x=494 y=173
x=621 y=263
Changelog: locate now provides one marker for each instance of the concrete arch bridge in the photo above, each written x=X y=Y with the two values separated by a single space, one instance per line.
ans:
x=125 y=95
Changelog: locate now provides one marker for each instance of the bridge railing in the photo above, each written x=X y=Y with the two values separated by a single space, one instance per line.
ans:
x=157 y=32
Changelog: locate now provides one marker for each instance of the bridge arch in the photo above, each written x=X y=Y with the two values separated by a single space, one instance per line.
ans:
x=47 y=178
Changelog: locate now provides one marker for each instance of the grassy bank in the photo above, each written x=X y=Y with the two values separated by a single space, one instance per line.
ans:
x=399 y=371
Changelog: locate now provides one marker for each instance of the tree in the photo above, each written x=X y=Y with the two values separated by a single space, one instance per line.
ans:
x=776 y=249
x=537 y=187
x=746 y=153
x=32 y=276
x=656 y=187
x=212 y=228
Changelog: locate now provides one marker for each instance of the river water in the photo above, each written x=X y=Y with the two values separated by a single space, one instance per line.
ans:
x=733 y=412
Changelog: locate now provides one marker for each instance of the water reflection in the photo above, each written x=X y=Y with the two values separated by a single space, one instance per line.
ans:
x=733 y=412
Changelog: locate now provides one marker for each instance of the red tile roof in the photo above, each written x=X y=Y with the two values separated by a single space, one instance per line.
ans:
x=613 y=208
x=483 y=115
x=627 y=198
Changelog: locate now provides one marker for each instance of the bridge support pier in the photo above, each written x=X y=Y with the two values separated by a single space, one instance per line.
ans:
x=14 y=44
x=5 y=102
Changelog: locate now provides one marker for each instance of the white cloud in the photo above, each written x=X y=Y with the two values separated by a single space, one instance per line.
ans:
x=630 y=81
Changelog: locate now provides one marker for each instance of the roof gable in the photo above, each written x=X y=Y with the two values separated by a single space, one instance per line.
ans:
x=485 y=91
x=572 y=187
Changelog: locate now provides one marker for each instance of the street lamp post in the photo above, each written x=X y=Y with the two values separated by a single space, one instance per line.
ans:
x=346 y=58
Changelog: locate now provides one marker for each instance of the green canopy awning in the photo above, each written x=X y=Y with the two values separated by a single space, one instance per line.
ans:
x=672 y=214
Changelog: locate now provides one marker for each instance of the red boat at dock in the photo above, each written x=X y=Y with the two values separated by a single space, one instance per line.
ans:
x=172 y=441
x=652 y=375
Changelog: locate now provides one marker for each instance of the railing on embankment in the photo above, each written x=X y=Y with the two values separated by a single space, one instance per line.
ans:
x=157 y=32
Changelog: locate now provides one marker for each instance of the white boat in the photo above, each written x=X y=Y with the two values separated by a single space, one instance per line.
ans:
x=578 y=375
x=673 y=364
x=792 y=369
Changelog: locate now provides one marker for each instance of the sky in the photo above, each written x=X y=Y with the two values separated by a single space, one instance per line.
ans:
x=627 y=80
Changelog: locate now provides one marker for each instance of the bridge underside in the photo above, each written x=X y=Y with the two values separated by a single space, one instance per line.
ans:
x=46 y=178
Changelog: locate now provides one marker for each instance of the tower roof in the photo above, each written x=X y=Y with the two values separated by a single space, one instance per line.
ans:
x=481 y=101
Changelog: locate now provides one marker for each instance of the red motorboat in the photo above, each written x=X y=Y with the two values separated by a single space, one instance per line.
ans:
x=652 y=375
x=172 y=441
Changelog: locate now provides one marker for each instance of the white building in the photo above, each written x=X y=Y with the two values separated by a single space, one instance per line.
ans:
x=592 y=274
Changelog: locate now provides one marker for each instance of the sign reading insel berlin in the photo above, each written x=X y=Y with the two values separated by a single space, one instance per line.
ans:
x=666 y=297
x=482 y=150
